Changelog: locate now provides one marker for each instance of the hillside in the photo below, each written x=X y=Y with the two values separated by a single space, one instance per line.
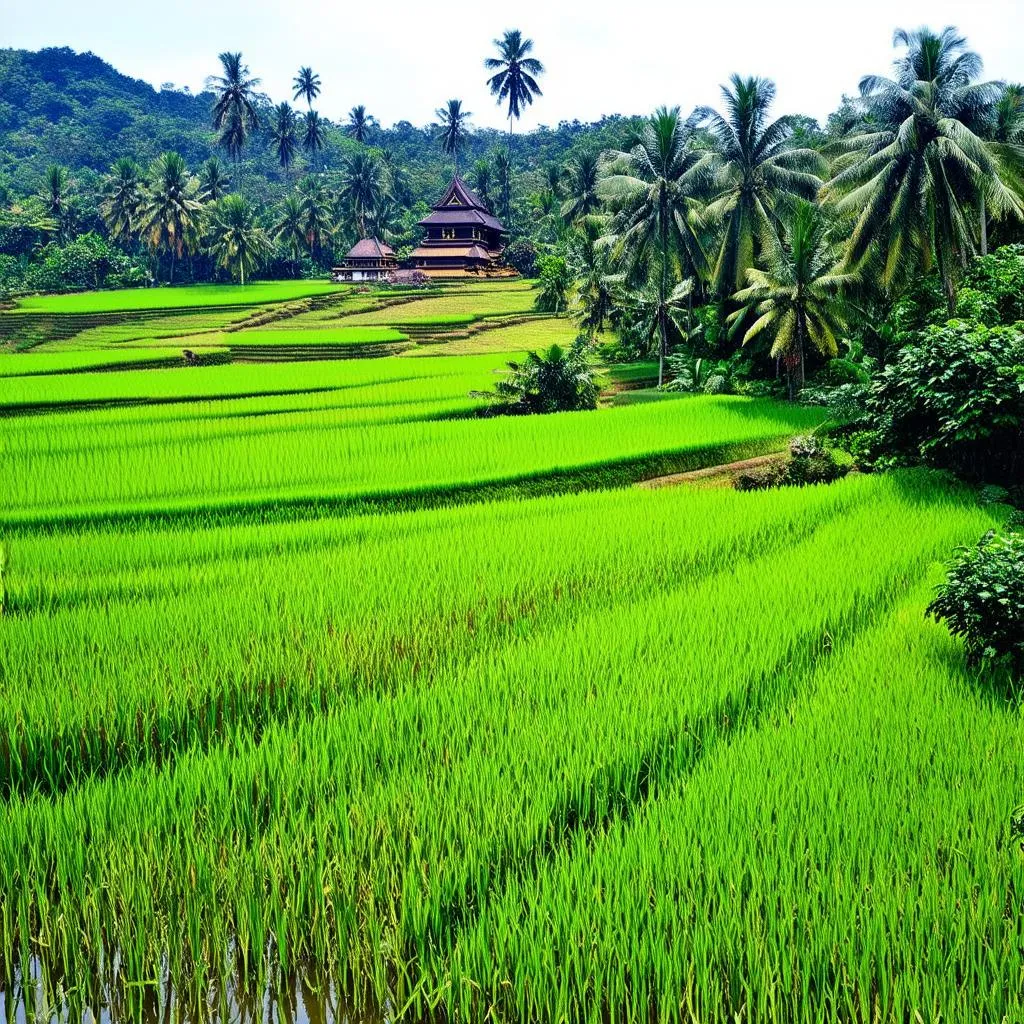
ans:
x=59 y=106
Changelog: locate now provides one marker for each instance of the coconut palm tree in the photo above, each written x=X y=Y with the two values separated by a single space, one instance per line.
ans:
x=56 y=197
x=452 y=129
x=361 y=189
x=122 y=199
x=307 y=85
x=317 y=224
x=582 y=178
x=1002 y=127
x=239 y=243
x=284 y=134
x=314 y=136
x=360 y=124
x=596 y=285
x=482 y=181
x=503 y=185
x=912 y=185
x=757 y=172
x=658 y=219
x=234 y=112
x=382 y=221
x=213 y=182
x=289 y=230
x=799 y=297
x=515 y=78
x=395 y=181
x=169 y=217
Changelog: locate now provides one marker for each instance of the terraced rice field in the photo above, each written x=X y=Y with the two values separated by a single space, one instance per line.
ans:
x=324 y=698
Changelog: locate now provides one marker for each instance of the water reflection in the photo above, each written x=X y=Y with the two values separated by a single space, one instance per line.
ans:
x=41 y=995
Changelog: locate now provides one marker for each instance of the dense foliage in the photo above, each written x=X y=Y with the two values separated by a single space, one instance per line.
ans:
x=982 y=599
x=955 y=398
x=553 y=380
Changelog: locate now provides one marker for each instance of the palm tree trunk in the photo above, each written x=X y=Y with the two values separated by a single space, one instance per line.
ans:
x=662 y=296
x=983 y=213
x=799 y=355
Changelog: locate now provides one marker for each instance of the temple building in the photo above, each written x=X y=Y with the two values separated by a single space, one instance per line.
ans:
x=368 y=260
x=461 y=236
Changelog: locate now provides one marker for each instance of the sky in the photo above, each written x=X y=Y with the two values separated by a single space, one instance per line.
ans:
x=404 y=58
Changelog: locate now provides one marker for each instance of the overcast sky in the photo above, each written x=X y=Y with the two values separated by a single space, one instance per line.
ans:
x=404 y=58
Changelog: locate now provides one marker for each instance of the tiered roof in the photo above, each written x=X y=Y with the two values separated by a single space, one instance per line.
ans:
x=461 y=205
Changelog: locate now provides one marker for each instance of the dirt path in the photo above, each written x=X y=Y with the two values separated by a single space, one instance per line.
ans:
x=730 y=469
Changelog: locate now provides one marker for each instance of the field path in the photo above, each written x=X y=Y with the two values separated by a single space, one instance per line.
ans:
x=709 y=472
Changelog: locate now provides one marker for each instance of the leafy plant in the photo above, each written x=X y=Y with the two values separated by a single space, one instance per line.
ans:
x=956 y=400
x=554 y=380
x=982 y=599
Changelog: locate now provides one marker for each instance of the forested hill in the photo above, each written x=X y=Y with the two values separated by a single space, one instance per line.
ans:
x=59 y=106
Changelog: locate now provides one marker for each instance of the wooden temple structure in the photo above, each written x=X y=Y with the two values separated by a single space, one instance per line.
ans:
x=369 y=259
x=461 y=237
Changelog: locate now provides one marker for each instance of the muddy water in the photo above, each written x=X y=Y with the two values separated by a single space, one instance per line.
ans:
x=299 y=998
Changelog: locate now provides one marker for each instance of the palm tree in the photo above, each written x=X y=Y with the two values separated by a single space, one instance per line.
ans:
x=169 y=217
x=290 y=228
x=799 y=297
x=360 y=124
x=911 y=184
x=56 y=196
x=1002 y=127
x=482 y=181
x=514 y=81
x=284 y=135
x=234 y=112
x=452 y=129
x=395 y=181
x=314 y=135
x=382 y=221
x=582 y=197
x=306 y=84
x=360 y=189
x=239 y=243
x=213 y=183
x=596 y=284
x=658 y=219
x=757 y=173
x=503 y=185
x=317 y=225
x=122 y=199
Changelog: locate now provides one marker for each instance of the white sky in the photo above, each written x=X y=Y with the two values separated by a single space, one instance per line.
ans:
x=404 y=58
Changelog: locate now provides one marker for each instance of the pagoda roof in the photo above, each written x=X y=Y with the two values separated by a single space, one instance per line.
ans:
x=370 y=249
x=461 y=205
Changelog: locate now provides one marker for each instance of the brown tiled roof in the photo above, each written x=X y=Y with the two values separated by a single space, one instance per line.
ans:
x=370 y=249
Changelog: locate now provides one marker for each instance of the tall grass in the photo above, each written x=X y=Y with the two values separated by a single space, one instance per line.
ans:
x=380 y=834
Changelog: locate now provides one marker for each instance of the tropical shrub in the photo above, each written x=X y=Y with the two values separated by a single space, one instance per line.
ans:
x=521 y=256
x=955 y=399
x=982 y=599
x=554 y=281
x=553 y=380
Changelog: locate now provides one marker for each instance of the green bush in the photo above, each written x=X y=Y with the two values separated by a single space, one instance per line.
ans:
x=955 y=399
x=841 y=371
x=982 y=600
x=555 y=380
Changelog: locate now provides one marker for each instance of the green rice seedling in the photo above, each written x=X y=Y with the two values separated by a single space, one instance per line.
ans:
x=142 y=474
x=372 y=836
x=177 y=297
x=848 y=857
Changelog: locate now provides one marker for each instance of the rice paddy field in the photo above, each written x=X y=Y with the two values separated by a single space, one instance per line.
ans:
x=325 y=698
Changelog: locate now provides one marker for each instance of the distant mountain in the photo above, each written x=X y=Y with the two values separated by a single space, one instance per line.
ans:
x=74 y=108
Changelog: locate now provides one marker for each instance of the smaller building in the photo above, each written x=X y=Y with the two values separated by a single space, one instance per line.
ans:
x=369 y=259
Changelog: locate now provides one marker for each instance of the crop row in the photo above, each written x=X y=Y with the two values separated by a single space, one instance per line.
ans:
x=138 y=470
x=380 y=835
